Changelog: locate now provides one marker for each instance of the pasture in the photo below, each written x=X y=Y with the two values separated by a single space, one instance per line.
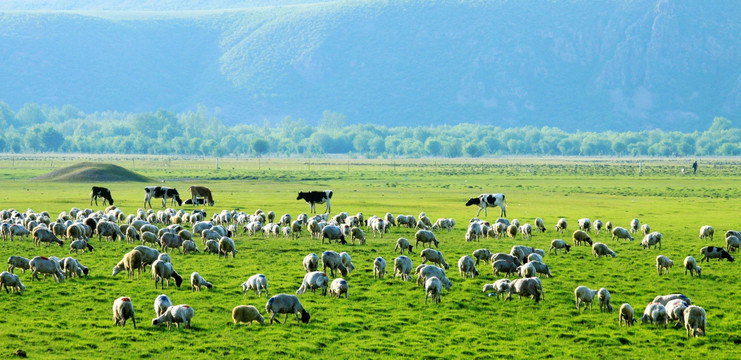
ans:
x=387 y=317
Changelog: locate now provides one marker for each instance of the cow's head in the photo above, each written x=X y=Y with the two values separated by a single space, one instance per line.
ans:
x=472 y=201
x=301 y=195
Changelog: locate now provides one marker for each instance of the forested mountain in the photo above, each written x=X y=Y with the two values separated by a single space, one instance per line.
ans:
x=578 y=65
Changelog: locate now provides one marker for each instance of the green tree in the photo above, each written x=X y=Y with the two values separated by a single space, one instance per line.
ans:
x=473 y=150
x=260 y=146
x=332 y=121
x=433 y=147
x=720 y=123
x=30 y=114
x=51 y=139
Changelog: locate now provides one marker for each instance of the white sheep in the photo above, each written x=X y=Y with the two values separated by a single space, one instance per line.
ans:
x=585 y=224
x=500 y=286
x=72 y=267
x=561 y=225
x=732 y=243
x=706 y=232
x=162 y=271
x=226 y=247
x=695 y=321
x=534 y=257
x=690 y=264
x=626 y=315
x=579 y=237
x=599 y=249
x=161 y=304
x=242 y=314
x=379 y=268
x=18 y=262
x=13 y=281
x=584 y=295
x=211 y=247
x=597 y=226
x=621 y=233
x=506 y=266
x=123 y=310
x=434 y=257
x=357 y=233
x=311 y=262
x=188 y=246
x=431 y=270
x=286 y=304
x=178 y=314
x=466 y=267
x=402 y=244
x=338 y=287
x=482 y=254
x=663 y=263
x=530 y=287
x=539 y=225
x=433 y=288
x=653 y=238
x=312 y=281
x=196 y=281
x=426 y=237
x=46 y=266
x=634 y=225
x=655 y=313
x=526 y=270
x=347 y=261
x=541 y=268
x=334 y=261
x=664 y=299
x=257 y=282
x=675 y=311
x=403 y=266
x=559 y=244
x=131 y=262
x=603 y=295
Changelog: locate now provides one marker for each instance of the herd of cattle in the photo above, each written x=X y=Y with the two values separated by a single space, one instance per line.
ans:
x=78 y=226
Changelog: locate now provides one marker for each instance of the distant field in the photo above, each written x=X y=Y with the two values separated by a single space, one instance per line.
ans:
x=388 y=318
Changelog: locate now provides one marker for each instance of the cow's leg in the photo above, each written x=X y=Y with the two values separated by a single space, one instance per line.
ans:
x=328 y=208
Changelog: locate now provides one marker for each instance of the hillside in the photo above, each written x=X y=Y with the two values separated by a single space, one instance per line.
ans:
x=92 y=172
x=578 y=65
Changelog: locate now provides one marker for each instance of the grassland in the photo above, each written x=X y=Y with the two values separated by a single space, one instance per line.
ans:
x=387 y=318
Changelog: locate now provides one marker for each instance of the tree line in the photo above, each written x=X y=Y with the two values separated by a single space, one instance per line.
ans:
x=38 y=128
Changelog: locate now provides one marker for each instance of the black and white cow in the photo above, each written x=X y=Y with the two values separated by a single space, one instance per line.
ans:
x=161 y=192
x=714 y=252
x=316 y=197
x=100 y=192
x=488 y=200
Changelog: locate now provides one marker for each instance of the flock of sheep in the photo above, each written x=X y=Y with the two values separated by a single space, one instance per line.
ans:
x=165 y=231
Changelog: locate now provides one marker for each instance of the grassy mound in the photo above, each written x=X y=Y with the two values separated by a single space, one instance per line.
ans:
x=92 y=172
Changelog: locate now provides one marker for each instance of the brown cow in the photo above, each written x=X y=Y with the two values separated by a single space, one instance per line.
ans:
x=201 y=192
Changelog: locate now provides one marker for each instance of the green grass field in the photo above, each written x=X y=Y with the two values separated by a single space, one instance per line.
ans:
x=388 y=318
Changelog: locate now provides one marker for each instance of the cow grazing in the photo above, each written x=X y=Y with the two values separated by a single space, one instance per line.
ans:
x=316 y=197
x=198 y=202
x=161 y=192
x=100 y=192
x=488 y=200
x=198 y=192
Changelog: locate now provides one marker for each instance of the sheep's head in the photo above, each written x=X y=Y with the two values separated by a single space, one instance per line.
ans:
x=305 y=316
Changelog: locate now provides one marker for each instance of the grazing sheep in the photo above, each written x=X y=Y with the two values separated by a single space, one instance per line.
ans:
x=691 y=264
x=482 y=254
x=312 y=281
x=608 y=226
x=597 y=226
x=621 y=233
x=634 y=225
x=675 y=311
x=512 y=231
x=443 y=223
x=733 y=243
x=559 y=244
x=403 y=266
x=534 y=257
x=403 y=244
x=434 y=257
x=131 y=262
x=13 y=281
x=499 y=229
x=295 y=229
x=226 y=247
x=46 y=266
x=584 y=295
x=338 y=287
x=645 y=229
x=695 y=321
x=72 y=267
x=500 y=286
x=357 y=233
x=467 y=267
x=653 y=238
x=379 y=268
x=706 y=232
x=526 y=287
x=526 y=230
x=585 y=224
x=347 y=261
x=713 y=252
x=663 y=263
x=333 y=260
x=176 y=314
x=433 y=288
x=311 y=262
x=169 y=241
x=505 y=266
x=196 y=281
x=429 y=271
x=580 y=236
x=123 y=310
x=246 y=314
x=257 y=282
x=149 y=255
x=426 y=237
x=161 y=303
x=212 y=247
x=46 y=236
x=561 y=225
x=665 y=299
x=18 y=262
x=626 y=315
x=164 y=271
x=604 y=300
x=332 y=232
x=78 y=245
x=286 y=304
x=655 y=313
x=149 y=237
x=539 y=225
x=526 y=270
x=541 y=268
x=188 y=246
x=599 y=249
